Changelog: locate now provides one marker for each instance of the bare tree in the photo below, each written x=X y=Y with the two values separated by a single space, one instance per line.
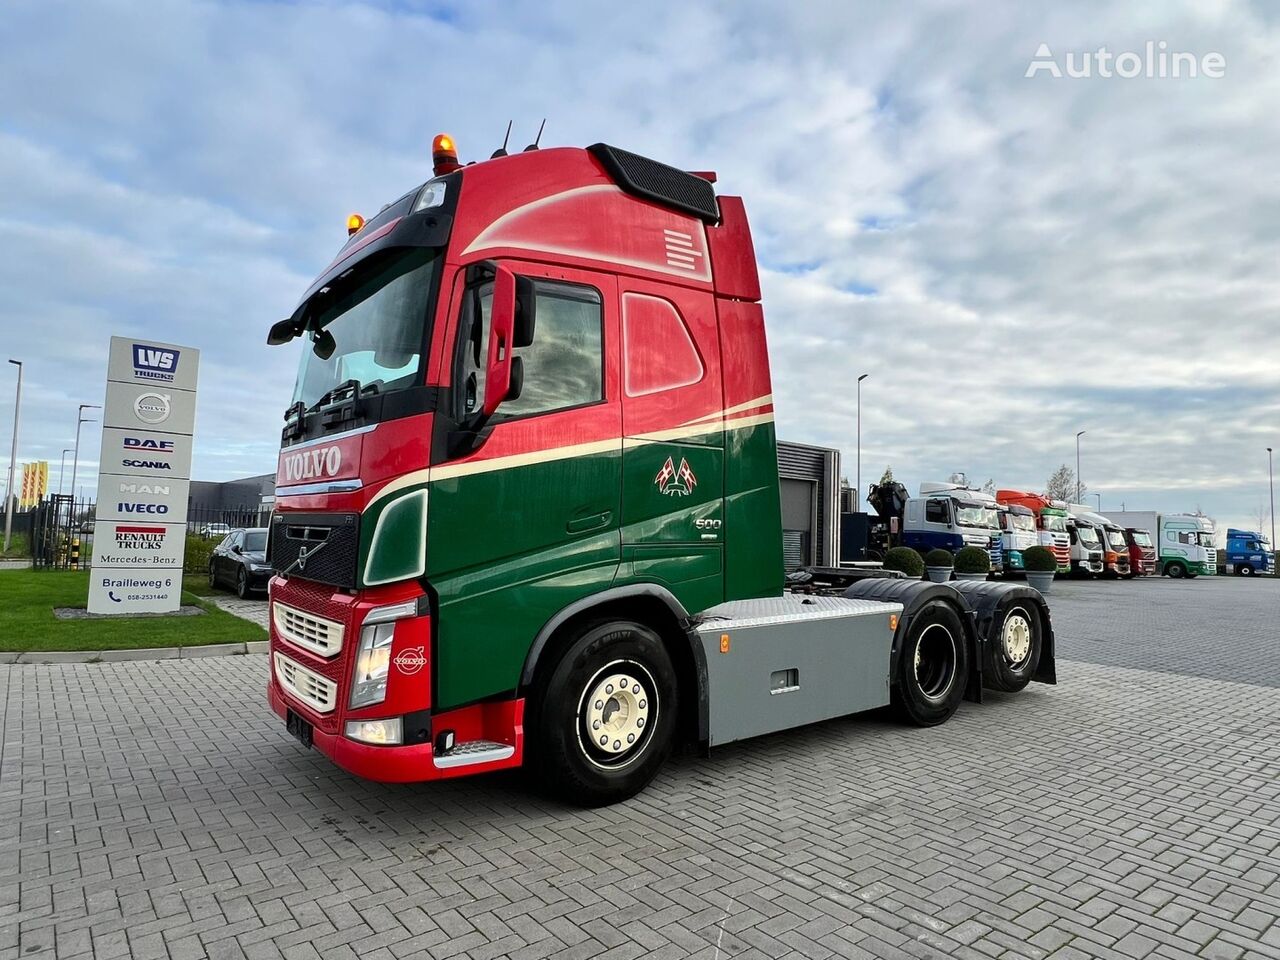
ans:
x=1262 y=515
x=1062 y=486
x=989 y=487
x=887 y=476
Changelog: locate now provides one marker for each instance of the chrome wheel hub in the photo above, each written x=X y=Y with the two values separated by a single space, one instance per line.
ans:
x=1015 y=638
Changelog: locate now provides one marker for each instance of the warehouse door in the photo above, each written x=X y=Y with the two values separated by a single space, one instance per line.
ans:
x=798 y=521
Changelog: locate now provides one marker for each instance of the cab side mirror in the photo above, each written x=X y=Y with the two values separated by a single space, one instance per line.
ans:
x=526 y=312
x=502 y=324
x=282 y=331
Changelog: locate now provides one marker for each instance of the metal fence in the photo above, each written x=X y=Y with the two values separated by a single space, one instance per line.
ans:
x=60 y=531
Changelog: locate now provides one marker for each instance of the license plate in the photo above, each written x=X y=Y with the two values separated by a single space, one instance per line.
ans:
x=298 y=728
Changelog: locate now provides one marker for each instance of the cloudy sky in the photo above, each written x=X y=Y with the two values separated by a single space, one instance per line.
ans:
x=1011 y=259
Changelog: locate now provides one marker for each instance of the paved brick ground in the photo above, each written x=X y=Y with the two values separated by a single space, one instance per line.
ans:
x=158 y=810
x=254 y=608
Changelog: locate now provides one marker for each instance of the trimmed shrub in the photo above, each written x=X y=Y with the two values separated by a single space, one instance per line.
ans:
x=1039 y=560
x=905 y=560
x=939 y=558
x=198 y=551
x=973 y=560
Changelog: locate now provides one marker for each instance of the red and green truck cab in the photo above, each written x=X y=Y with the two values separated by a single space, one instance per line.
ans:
x=528 y=472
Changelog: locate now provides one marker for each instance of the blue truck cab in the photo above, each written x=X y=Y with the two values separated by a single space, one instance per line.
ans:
x=950 y=516
x=1248 y=553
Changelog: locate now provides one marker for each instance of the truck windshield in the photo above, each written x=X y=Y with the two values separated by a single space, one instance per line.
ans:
x=1022 y=522
x=1116 y=539
x=377 y=319
x=1087 y=535
x=1206 y=540
x=975 y=516
x=1142 y=538
x=1053 y=522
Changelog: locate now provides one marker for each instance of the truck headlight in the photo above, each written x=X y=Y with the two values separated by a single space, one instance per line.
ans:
x=373 y=658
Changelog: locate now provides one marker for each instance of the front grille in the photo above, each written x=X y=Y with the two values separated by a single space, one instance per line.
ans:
x=315 y=691
x=320 y=636
x=324 y=603
x=322 y=547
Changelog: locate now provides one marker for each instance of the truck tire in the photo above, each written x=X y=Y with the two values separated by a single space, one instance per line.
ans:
x=605 y=716
x=1245 y=570
x=933 y=666
x=1176 y=570
x=1013 y=650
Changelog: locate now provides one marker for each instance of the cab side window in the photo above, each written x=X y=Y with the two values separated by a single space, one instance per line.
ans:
x=563 y=366
x=935 y=511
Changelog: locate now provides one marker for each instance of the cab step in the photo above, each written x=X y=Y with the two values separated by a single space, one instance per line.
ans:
x=474 y=752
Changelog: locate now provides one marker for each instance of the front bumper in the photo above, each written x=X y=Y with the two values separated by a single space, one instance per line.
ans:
x=414 y=763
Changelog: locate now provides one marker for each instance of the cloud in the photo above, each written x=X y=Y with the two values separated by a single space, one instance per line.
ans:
x=1011 y=259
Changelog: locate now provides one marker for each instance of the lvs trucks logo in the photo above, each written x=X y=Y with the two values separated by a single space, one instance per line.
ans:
x=312 y=464
x=154 y=363
x=675 y=483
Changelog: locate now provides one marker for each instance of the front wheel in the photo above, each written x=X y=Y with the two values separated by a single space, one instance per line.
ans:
x=1245 y=571
x=242 y=585
x=1176 y=570
x=1013 y=652
x=933 y=666
x=213 y=574
x=605 y=716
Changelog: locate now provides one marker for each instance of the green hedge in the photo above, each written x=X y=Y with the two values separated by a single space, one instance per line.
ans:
x=1039 y=560
x=196 y=558
x=938 y=557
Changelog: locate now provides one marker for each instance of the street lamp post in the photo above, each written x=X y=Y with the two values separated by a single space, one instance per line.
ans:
x=1078 y=436
x=13 y=456
x=62 y=468
x=75 y=459
x=858 y=477
x=1099 y=496
x=1271 y=478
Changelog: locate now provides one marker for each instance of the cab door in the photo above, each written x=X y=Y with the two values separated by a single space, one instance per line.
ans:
x=529 y=522
x=673 y=442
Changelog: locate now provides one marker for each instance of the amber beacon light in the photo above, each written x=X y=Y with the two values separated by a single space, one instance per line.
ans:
x=444 y=154
x=354 y=223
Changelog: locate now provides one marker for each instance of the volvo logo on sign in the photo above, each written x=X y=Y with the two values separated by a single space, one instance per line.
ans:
x=154 y=363
x=153 y=407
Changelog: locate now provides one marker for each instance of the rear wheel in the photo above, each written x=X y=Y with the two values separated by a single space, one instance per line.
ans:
x=1176 y=570
x=1245 y=571
x=1013 y=652
x=933 y=666
x=605 y=716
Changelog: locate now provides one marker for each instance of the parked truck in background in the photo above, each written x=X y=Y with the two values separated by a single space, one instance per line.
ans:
x=527 y=509
x=951 y=516
x=1051 y=522
x=1086 y=547
x=1248 y=553
x=1115 y=550
x=1142 y=552
x=1180 y=540
x=1017 y=533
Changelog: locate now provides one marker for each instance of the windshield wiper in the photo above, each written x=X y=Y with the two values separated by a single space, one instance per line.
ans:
x=334 y=395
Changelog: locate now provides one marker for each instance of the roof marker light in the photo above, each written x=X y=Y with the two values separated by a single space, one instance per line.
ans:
x=354 y=223
x=444 y=154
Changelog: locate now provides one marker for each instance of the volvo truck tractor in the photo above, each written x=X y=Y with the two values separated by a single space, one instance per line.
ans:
x=527 y=510
x=1248 y=553
x=1086 y=547
x=1051 y=523
x=1142 y=552
x=1115 y=549
x=1181 y=549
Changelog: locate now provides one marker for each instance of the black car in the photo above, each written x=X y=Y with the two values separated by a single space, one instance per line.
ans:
x=240 y=561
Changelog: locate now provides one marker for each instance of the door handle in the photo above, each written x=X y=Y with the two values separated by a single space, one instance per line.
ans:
x=593 y=522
